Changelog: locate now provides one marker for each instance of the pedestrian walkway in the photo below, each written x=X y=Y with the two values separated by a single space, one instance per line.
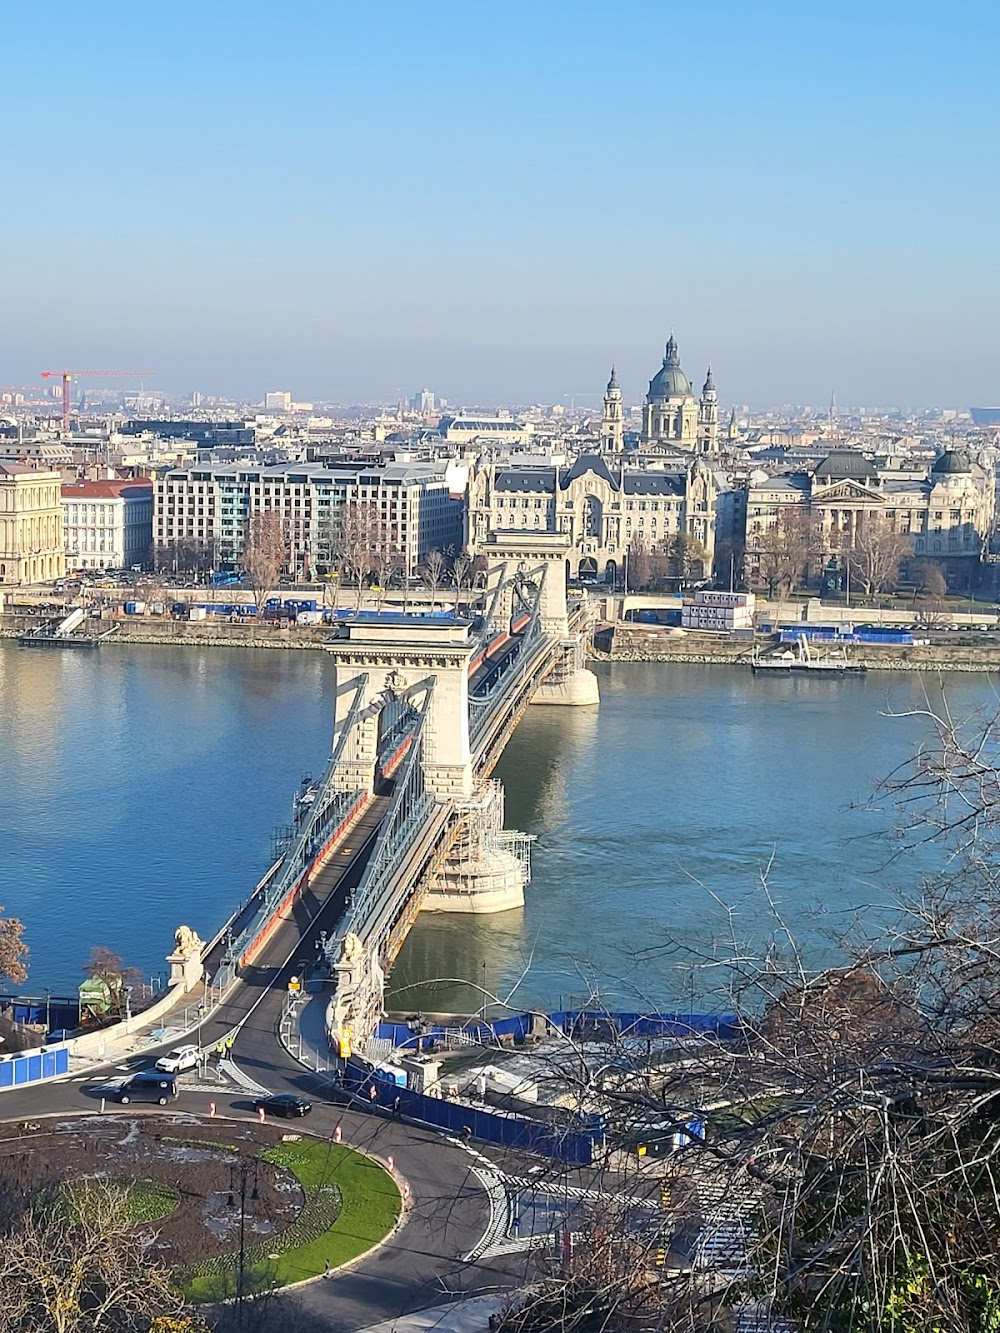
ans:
x=471 y=1316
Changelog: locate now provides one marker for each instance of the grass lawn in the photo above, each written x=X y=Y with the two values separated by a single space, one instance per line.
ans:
x=133 y=1200
x=350 y=1204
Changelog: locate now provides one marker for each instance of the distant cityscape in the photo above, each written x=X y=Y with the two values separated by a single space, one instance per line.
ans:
x=673 y=489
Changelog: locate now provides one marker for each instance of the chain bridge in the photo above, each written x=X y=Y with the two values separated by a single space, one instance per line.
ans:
x=424 y=706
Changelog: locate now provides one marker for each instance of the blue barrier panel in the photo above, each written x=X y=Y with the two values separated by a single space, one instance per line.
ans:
x=62 y=1060
x=20 y=1071
x=7 y=1074
x=34 y=1067
x=48 y=1064
x=510 y=1131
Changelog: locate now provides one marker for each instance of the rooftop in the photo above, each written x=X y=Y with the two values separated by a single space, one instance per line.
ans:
x=137 y=488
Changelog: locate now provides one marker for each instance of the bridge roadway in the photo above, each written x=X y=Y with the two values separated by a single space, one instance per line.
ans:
x=449 y=1211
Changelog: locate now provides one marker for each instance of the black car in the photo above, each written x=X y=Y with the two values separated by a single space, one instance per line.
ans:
x=149 y=1085
x=283 y=1104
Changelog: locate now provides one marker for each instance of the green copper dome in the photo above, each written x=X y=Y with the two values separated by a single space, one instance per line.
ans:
x=951 y=462
x=670 y=381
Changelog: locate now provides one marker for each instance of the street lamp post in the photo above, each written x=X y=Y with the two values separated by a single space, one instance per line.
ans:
x=241 y=1171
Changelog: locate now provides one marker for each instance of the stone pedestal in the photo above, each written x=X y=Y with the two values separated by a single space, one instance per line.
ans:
x=186 y=970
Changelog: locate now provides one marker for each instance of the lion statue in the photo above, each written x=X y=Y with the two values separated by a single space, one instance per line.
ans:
x=352 y=949
x=187 y=941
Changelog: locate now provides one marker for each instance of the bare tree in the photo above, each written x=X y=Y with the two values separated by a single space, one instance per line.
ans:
x=928 y=578
x=107 y=966
x=84 y=1270
x=783 y=551
x=461 y=574
x=638 y=564
x=13 y=950
x=876 y=554
x=265 y=554
x=432 y=572
x=688 y=558
x=362 y=545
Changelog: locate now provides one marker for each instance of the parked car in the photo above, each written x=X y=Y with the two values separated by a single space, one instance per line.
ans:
x=283 y=1104
x=149 y=1085
x=179 y=1059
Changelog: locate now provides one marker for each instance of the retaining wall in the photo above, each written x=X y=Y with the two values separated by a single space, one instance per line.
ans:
x=644 y=643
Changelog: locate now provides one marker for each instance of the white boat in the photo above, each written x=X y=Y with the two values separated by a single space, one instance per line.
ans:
x=802 y=658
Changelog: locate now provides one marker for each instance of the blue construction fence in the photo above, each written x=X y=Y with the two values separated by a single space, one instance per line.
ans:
x=573 y=1146
x=575 y=1023
x=871 y=634
x=33 y=1065
x=573 y=1143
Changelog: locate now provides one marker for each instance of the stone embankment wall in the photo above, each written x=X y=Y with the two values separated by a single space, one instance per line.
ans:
x=647 y=643
x=163 y=630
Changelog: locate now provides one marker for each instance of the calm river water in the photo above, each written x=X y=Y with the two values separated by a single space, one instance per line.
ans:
x=139 y=787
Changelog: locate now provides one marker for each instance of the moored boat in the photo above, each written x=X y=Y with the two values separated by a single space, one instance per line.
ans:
x=802 y=659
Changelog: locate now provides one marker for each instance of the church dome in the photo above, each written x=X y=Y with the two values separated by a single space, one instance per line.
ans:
x=670 y=381
x=950 y=463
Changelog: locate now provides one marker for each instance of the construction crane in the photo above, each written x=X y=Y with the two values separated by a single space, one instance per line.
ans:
x=67 y=375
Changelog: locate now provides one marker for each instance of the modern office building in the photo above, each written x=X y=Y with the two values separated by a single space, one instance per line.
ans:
x=31 y=525
x=107 y=524
x=415 y=508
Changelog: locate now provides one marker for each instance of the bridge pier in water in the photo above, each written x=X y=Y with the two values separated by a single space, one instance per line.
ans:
x=424 y=708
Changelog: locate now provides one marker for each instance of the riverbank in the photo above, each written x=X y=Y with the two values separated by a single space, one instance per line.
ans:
x=646 y=643
x=196 y=633
x=624 y=642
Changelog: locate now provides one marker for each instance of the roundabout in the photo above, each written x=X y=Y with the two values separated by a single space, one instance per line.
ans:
x=237 y=1207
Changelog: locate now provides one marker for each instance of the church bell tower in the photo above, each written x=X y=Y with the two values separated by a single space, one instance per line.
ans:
x=613 y=420
x=708 y=417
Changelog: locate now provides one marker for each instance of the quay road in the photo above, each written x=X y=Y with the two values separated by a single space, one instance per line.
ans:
x=449 y=1211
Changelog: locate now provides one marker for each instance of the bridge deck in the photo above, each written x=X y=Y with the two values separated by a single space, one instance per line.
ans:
x=319 y=908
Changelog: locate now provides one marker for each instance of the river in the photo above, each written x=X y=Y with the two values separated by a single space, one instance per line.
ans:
x=140 y=786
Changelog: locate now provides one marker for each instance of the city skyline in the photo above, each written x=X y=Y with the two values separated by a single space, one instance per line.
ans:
x=500 y=205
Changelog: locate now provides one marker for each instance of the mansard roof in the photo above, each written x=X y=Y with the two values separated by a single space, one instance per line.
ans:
x=655 y=483
x=589 y=463
x=528 y=480
x=843 y=463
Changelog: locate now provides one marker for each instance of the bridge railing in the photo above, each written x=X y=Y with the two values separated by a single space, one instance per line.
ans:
x=329 y=809
x=510 y=674
x=409 y=807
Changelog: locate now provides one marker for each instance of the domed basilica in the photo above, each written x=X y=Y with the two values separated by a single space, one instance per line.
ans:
x=673 y=420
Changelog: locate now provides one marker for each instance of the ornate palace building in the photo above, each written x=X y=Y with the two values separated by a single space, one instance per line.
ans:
x=599 y=503
x=946 y=512
x=31 y=525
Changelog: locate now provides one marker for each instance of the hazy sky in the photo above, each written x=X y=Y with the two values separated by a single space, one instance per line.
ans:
x=497 y=198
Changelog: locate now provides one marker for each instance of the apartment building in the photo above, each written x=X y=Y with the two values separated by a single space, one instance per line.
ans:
x=210 y=507
x=107 y=524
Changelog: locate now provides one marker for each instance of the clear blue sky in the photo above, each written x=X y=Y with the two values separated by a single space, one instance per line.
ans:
x=496 y=200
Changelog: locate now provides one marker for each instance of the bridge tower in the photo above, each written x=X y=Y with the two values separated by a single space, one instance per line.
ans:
x=569 y=682
x=392 y=654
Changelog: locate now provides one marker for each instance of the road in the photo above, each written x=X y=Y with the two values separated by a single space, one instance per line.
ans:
x=448 y=1211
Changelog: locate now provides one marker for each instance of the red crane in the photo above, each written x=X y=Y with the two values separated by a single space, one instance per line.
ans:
x=67 y=375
